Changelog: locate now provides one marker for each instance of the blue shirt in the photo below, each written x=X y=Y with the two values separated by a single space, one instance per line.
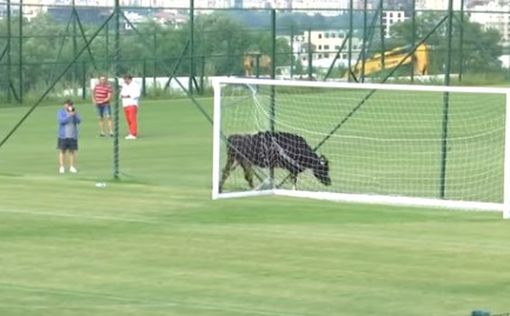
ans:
x=67 y=124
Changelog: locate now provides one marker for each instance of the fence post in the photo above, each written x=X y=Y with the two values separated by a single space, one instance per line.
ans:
x=144 y=76
x=257 y=66
x=20 y=53
x=84 y=80
x=291 y=71
x=310 y=54
x=202 y=74
x=192 y=45
x=8 y=52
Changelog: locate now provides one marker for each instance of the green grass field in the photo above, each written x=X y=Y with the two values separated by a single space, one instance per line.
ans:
x=154 y=243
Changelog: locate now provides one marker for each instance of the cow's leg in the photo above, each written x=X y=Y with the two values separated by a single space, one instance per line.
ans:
x=229 y=166
x=248 y=173
x=293 y=177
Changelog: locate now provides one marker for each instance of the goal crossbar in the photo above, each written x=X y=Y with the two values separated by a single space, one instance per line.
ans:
x=353 y=85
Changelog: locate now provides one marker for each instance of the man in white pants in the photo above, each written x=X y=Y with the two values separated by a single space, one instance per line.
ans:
x=130 y=95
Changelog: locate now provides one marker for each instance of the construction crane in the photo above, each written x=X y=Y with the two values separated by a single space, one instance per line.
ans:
x=393 y=58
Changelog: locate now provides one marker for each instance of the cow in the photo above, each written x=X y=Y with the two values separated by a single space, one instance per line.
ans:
x=273 y=150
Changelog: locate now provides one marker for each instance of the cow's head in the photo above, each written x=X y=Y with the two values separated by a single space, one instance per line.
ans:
x=321 y=170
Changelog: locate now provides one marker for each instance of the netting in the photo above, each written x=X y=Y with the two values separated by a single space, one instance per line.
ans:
x=427 y=144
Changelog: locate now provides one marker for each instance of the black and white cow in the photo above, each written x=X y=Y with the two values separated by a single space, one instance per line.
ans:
x=273 y=150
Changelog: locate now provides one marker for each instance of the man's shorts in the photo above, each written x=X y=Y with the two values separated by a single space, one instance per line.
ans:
x=70 y=144
x=103 y=110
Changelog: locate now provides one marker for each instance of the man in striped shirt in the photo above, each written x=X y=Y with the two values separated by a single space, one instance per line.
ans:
x=101 y=96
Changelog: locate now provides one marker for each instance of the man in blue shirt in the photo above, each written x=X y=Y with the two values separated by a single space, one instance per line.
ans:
x=68 y=120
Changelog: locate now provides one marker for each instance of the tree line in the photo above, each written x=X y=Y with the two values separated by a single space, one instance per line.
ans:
x=221 y=40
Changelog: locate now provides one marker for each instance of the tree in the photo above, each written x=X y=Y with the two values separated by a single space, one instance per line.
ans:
x=222 y=41
x=160 y=46
x=480 y=48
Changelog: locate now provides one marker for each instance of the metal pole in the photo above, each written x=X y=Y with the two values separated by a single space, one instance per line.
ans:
x=192 y=44
x=446 y=100
x=364 y=45
x=9 y=61
x=154 y=55
x=461 y=41
x=273 y=90
x=20 y=53
x=107 y=46
x=144 y=75
x=382 y=34
x=450 y=40
x=83 y=79
x=202 y=74
x=257 y=65
x=349 y=52
x=116 y=68
x=273 y=43
x=75 y=48
x=292 y=51
x=413 y=32
x=310 y=55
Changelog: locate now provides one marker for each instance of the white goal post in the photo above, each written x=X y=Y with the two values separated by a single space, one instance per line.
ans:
x=414 y=145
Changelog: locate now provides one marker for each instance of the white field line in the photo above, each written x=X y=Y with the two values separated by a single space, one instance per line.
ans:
x=81 y=216
x=127 y=302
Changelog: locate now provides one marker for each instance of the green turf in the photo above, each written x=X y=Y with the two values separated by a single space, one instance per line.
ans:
x=155 y=244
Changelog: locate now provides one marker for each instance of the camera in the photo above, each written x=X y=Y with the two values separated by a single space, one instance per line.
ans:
x=70 y=105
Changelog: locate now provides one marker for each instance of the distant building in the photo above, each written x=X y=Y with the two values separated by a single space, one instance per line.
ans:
x=399 y=5
x=170 y=17
x=31 y=8
x=436 y=4
x=390 y=18
x=88 y=15
x=3 y=10
x=319 y=4
x=491 y=19
x=325 y=44
x=256 y=4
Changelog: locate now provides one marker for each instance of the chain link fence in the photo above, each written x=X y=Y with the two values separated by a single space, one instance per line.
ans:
x=64 y=47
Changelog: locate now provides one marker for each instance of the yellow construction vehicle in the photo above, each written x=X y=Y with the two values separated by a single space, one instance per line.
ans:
x=393 y=58
x=250 y=63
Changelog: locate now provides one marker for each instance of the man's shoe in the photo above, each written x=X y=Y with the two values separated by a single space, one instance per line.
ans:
x=73 y=170
x=61 y=170
x=131 y=136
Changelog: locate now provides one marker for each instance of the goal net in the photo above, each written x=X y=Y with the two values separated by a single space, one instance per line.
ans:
x=371 y=143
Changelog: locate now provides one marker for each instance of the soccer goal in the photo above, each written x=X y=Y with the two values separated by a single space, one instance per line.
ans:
x=393 y=144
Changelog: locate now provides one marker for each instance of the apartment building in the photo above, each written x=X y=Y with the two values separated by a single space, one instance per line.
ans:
x=390 y=18
x=320 y=4
x=487 y=14
x=324 y=44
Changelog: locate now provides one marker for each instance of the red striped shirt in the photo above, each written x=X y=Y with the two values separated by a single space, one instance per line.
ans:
x=101 y=91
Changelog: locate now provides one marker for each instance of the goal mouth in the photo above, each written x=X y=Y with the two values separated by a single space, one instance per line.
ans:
x=419 y=145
